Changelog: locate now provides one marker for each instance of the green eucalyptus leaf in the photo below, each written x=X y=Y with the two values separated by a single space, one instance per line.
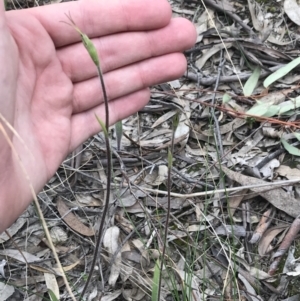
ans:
x=290 y=148
x=272 y=110
x=281 y=72
x=226 y=98
x=264 y=109
x=289 y=105
x=297 y=135
x=252 y=81
x=259 y=109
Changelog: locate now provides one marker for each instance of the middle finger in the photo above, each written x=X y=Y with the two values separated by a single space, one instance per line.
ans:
x=122 y=49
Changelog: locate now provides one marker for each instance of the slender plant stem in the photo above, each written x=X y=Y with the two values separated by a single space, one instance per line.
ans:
x=108 y=185
x=169 y=183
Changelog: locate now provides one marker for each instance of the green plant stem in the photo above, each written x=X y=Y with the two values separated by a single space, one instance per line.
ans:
x=108 y=185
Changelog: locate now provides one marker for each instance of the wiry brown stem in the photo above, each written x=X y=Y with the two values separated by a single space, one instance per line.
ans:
x=108 y=185
x=169 y=183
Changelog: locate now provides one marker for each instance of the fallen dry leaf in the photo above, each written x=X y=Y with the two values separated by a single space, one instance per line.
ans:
x=72 y=220
x=235 y=199
x=263 y=225
x=277 y=197
x=51 y=284
x=289 y=173
x=292 y=9
x=6 y=291
x=111 y=244
x=264 y=244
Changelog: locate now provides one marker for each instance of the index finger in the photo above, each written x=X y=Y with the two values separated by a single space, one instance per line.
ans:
x=98 y=18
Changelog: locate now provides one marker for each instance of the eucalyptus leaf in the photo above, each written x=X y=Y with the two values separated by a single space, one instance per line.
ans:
x=252 y=82
x=226 y=98
x=264 y=109
x=290 y=148
x=271 y=111
x=259 y=109
x=292 y=9
x=297 y=135
x=289 y=105
x=281 y=72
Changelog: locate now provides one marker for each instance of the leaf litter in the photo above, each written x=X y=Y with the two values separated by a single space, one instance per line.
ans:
x=239 y=127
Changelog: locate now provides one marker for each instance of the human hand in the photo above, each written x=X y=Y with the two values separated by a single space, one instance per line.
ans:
x=49 y=88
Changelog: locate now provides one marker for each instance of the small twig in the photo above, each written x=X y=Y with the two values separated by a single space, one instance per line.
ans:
x=210 y=192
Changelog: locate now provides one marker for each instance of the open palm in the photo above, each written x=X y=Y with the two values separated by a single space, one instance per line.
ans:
x=49 y=87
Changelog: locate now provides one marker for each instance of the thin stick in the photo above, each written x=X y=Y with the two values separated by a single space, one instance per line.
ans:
x=273 y=185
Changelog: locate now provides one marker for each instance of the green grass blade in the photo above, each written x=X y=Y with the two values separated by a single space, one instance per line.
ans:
x=170 y=158
x=52 y=295
x=176 y=120
x=156 y=276
x=119 y=133
x=104 y=129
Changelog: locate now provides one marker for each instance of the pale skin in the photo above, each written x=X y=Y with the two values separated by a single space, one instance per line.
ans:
x=49 y=90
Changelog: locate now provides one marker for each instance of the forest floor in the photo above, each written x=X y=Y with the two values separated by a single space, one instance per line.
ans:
x=234 y=222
